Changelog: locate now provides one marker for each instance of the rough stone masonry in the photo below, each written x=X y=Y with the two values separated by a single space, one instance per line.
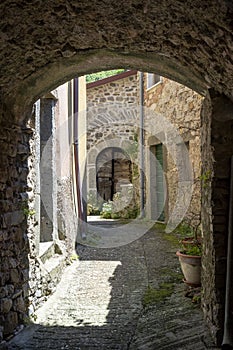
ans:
x=44 y=44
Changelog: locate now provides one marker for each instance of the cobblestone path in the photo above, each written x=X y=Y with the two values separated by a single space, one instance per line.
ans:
x=98 y=304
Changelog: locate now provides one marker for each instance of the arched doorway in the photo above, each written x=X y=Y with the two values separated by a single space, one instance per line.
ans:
x=113 y=169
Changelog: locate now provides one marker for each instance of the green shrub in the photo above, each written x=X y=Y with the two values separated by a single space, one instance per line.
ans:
x=115 y=216
x=106 y=215
x=192 y=250
x=92 y=210
x=101 y=75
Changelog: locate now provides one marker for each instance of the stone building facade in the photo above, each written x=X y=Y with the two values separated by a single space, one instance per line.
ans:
x=45 y=224
x=14 y=267
x=56 y=213
x=112 y=128
x=172 y=110
x=113 y=120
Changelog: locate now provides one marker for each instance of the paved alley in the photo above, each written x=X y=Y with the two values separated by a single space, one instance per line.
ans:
x=99 y=303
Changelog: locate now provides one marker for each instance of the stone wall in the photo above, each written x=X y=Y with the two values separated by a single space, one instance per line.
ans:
x=176 y=103
x=50 y=182
x=67 y=217
x=14 y=242
x=171 y=104
x=191 y=44
x=41 y=281
x=209 y=302
x=112 y=121
x=112 y=109
x=121 y=88
x=217 y=150
x=25 y=279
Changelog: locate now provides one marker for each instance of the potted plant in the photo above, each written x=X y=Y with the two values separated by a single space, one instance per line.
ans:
x=190 y=254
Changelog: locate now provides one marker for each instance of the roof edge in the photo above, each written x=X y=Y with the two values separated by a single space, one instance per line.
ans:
x=111 y=79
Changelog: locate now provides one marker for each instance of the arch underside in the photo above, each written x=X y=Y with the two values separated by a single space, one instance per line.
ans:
x=44 y=45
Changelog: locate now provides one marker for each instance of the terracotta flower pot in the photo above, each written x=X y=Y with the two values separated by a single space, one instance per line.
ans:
x=189 y=241
x=191 y=268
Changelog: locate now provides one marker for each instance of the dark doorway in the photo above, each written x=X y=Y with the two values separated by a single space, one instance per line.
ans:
x=113 y=169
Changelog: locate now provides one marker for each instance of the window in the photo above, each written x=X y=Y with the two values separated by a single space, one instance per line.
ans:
x=153 y=79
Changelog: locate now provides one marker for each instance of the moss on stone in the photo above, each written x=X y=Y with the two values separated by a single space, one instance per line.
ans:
x=172 y=276
x=160 y=226
x=156 y=295
x=172 y=238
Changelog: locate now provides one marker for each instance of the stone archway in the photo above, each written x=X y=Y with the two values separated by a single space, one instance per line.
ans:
x=53 y=42
x=186 y=43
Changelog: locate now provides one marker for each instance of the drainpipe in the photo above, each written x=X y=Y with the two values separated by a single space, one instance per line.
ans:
x=142 y=180
x=76 y=160
x=113 y=171
x=228 y=322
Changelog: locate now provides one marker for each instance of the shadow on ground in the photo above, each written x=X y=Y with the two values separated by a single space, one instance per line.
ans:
x=100 y=303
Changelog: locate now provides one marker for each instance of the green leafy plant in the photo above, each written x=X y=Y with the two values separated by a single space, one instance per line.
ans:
x=74 y=257
x=92 y=210
x=205 y=178
x=196 y=299
x=108 y=211
x=184 y=230
x=115 y=216
x=101 y=75
x=192 y=249
x=190 y=237
x=26 y=210
x=93 y=206
x=29 y=212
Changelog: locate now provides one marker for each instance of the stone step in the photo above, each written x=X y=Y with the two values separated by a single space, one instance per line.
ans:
x=53 y=259
x=55 y=266
x=46 y=250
